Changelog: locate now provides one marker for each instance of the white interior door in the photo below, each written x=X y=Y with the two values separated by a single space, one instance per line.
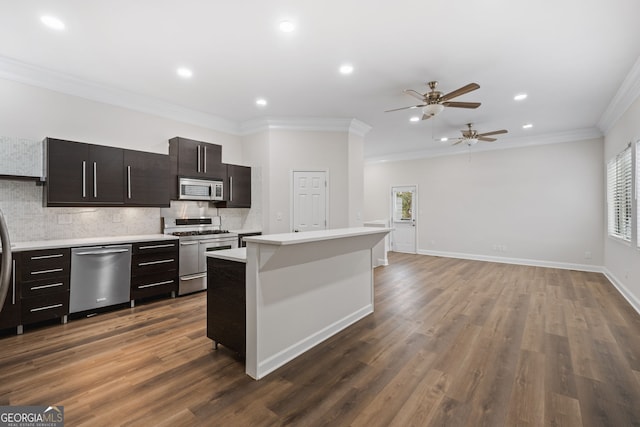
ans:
x=403 y=203
x=309 y=200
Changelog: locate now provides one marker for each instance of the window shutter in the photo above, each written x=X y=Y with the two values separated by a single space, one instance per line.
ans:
x=620 y=195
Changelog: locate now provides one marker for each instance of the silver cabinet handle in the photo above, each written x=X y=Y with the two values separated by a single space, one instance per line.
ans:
x=199 y=158
x=150 y=285
x=170 y=245
x=231 y=189
x=204 y=164
x=162 y=261
x=129 y=181
x=48 y=307
x=188 y=243
x=46 y=256
x=95 y=180
x=84 y=178
x=53 y=285
x=53 y=270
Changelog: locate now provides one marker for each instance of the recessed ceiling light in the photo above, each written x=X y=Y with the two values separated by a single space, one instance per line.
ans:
x=287 y=26
x=445 y=139
x=346 y=69
x=185 y=73
x=261 y=102
x=414 y=119
x=52 y=22
x=527 y=126
x=520 y=96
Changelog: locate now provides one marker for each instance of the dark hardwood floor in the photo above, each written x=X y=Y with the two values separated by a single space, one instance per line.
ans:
x=451 y=342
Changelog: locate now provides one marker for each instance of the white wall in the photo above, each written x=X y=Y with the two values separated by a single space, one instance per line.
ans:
x=541 y=203
x=622 y=260
x=355 y=194
x=306 y=150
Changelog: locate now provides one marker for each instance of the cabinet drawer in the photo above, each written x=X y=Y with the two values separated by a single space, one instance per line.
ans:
x=44 y=287
x=155 y=247
x=155 y=284
x=45 y=264
x=44 y=307
x=154 y=263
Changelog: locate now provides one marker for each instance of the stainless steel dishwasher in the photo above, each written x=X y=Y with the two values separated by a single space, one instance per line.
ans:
x=100 y=277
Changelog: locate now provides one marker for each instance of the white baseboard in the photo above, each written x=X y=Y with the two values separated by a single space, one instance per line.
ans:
x=620 y=287
x=274 y=362
x=518 y=261
x=624 y=291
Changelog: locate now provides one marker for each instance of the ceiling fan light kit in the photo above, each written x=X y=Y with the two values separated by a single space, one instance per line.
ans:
x=432 y=110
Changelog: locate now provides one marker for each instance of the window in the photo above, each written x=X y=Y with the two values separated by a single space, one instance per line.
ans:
x=619 y=195
x=638 y=193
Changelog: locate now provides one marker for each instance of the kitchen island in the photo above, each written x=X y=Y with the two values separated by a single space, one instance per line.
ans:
x=300 y=289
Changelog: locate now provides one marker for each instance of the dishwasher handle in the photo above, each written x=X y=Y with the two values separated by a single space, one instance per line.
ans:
x=103 y=252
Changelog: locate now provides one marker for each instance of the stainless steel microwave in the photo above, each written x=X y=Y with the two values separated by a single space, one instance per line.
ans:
x=199 y=189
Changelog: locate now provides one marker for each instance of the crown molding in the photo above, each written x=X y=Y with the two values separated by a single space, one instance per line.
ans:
x=11 y=69
x=628 y=92
x=503 y=144
x=304 y=124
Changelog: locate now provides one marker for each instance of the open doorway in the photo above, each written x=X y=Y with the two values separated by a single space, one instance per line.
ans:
x=403 y=218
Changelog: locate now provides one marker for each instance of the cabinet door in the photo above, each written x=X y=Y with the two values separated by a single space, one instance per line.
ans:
x=106 y=172
x=147 y=179
x=67 y=172
x=197 y=159
x=80 y=174
x=10 y=311
x=239 y=184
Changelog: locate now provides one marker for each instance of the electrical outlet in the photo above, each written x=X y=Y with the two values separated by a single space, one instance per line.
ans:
x=116 y=217
x=279 y=216
x=587 y=255
x=495 y=247
x=504 y=248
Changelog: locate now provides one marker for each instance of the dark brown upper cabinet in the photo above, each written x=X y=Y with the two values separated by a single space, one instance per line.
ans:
x=80 y=174
x=237 y=188
x=196 y=159
x=147 y=179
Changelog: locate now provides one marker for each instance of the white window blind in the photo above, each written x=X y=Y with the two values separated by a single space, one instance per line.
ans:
x=638 y=193
x=620 y=195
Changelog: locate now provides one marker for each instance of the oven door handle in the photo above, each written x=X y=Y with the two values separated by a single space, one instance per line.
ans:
x=188 y=243
x=194 y=276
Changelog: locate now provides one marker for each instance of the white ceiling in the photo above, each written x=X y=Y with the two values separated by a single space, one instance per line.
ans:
x=570 y=56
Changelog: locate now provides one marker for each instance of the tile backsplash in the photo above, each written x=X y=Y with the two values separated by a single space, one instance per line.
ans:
x=28 y=220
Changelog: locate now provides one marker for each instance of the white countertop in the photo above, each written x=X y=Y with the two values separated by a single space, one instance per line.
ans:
x=314 y=236
x=89 y=241
x=238 y=254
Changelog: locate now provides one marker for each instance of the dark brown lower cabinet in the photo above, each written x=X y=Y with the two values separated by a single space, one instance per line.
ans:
x=226 y=304
x=43 y=277
x=154 y=268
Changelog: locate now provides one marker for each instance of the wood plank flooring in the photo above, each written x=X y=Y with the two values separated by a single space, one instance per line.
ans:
x=451 y=342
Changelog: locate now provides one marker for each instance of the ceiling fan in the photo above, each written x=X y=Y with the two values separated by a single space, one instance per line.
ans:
x=434 y=102
x=471 y=136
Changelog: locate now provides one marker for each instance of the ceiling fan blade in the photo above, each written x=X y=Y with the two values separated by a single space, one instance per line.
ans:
x=484 y=138
x=405 y=108
x=458 y=141
x=495 y=132
x=413 y=93
x=461 y=104
x=464 y=89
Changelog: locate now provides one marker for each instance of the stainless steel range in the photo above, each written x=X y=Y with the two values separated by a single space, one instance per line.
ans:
x=197 y=237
